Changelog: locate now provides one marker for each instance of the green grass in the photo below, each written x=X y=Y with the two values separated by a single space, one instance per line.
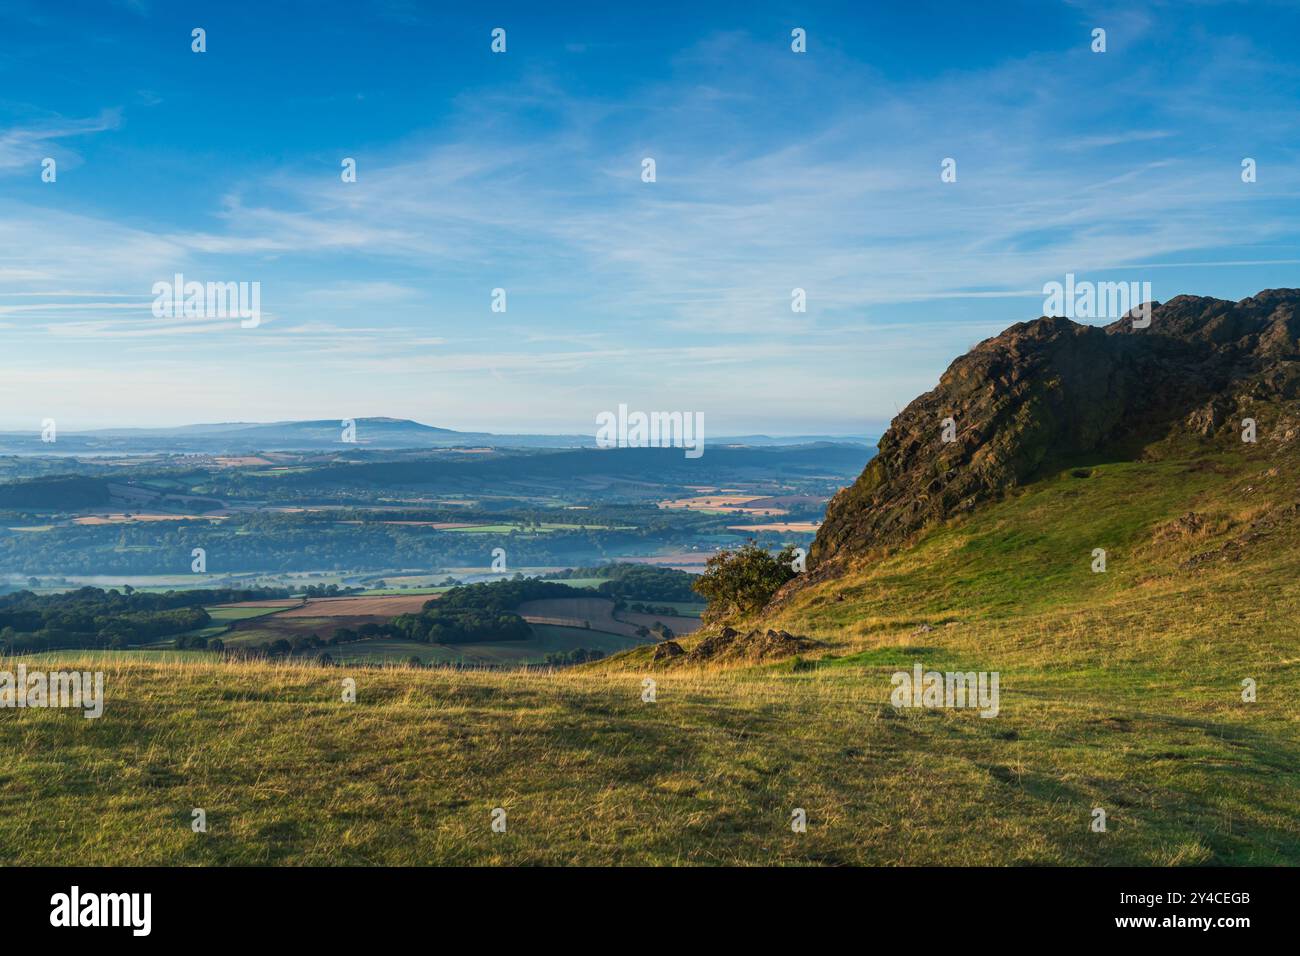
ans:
x=547 y=639
x=588 y=773
x=227 y=615
x=101 y=658
x=591 y=583
x=300 y=626
x=1118 y=690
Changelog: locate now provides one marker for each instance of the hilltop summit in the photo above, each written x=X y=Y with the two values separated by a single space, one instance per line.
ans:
x=1053 y=392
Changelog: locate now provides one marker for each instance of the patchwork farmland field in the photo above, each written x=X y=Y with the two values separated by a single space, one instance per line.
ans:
x=102 y=519
x=254 y=623
x=559 y=626
x=599 y=612
x=389 y=605
x=800 y=527
x=720 y=504
x=274 y=627
x=247 y=609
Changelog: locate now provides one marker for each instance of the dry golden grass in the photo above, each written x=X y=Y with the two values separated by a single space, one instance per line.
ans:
x=1119 y=691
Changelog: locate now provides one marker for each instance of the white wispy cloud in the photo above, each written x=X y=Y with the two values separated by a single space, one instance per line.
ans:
x=27 y=145
x=773 y=173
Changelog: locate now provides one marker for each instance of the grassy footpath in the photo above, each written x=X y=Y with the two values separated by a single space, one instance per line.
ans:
x=1119 y=690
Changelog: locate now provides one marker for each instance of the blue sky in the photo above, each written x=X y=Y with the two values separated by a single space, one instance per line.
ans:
x=522 y=171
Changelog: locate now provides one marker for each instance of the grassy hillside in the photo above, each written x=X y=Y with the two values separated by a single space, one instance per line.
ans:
x=1119 y=690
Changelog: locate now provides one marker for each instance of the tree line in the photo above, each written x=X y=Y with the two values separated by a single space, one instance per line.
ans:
x=95 y=618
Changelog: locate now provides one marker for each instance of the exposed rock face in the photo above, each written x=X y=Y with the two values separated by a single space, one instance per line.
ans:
x=757 y=645
x=1051 y=391
x=666 y=650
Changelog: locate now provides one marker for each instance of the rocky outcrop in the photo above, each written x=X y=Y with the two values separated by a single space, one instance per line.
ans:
x=1052 y=392
x=666 y=651
x=757 y=645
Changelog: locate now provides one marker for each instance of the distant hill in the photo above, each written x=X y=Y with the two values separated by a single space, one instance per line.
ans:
x=233 y=438
x=287 y=436
x=321 y=430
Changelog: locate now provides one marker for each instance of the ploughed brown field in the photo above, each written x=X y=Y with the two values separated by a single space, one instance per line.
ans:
x=384 y=605
x=319 y=616
x=122 y=518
